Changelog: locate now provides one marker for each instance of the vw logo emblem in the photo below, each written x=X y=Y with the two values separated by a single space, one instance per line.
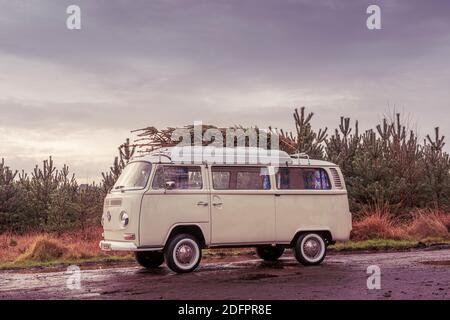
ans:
x=108 y=216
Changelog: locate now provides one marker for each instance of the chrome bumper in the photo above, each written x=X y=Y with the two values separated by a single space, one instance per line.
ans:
x=107 y=245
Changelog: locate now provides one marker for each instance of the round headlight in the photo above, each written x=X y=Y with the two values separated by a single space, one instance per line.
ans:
x=124 y=219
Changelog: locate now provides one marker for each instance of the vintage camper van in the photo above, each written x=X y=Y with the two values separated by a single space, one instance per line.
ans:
x=174 y=202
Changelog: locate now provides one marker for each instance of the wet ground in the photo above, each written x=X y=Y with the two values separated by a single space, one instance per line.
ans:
x=404 y=275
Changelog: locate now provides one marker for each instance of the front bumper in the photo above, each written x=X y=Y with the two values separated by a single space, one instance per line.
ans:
x=107 y=245
x=117 y=245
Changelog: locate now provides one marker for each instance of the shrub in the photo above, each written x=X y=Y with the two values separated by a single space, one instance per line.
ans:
x=428 y=224
x=445 y=219
x=43 y=249
x=378 y=225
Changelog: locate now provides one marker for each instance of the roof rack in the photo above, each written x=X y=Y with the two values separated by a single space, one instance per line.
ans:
x=209 y=155
x=160 y=154
x=220 y=155
x=301 y=155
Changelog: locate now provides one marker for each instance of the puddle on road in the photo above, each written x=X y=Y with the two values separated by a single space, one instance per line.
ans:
x=160 y=271
x=437 y=262
x=257 y=276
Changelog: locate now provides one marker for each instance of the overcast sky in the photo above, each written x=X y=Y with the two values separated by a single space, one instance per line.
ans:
x=76 y=94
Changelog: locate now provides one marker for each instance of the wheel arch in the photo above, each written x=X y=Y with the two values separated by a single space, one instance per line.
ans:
x=192 y=229
x=324 y=232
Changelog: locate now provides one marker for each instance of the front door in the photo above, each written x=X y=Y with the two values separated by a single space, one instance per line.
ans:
x=242 y=205
x=185 y=202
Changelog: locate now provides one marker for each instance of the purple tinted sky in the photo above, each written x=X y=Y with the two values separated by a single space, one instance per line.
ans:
x=77 y=94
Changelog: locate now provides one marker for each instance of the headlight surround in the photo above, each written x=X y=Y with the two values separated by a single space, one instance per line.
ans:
x=124 y=219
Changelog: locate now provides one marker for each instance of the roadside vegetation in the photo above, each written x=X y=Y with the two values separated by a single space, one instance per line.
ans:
x=36 y=249
x=372 y=232
x=398 y=184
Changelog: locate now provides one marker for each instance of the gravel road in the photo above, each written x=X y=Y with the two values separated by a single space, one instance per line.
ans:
x=418 y=274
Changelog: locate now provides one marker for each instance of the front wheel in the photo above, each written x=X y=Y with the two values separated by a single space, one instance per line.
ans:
x=269 y=253
x=183 y=253
x=149 y=259
x=310 y=249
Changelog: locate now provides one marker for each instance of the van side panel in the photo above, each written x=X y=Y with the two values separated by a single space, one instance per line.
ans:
x=244 y=217
x=312 y=210
x=160 y=213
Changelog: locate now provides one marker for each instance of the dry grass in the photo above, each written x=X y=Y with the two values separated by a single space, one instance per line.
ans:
x=429 y=224
x=43 y=249
x=377 y=225
x=423 y=224
x=45 y=246
x=12 y=246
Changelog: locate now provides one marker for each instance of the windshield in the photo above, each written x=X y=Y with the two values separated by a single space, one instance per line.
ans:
x=134 y=176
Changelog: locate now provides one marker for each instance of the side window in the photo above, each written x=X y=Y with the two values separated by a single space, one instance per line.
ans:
x=158 y=179
x=316 y=179
x=252 y=180
x=290 y=178
x=183 y=177
x=240 y=178
x=303 y=179
x=221 y=180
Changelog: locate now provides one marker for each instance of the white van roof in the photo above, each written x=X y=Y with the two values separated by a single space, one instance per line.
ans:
x=217 y=155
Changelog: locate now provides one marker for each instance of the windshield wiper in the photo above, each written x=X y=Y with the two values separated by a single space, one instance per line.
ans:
x=119 y=187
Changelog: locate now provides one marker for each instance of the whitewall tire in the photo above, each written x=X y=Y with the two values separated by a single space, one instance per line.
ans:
x=183 y=253
x=310 y=249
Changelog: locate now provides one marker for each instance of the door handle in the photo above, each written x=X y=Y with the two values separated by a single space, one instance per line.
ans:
x=202 y=203
x=217 y=201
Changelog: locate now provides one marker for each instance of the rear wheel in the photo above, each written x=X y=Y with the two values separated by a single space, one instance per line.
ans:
x=310 y=249
x=149 y=259
x=269 y=253
x=183 y=253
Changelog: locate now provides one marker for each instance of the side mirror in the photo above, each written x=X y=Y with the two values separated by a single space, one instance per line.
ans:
x=170 y=185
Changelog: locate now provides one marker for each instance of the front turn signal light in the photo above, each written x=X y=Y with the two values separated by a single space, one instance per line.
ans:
x=129 y=236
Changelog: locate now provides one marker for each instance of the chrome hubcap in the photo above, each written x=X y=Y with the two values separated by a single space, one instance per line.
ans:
x=185 y=252
x=312 y=248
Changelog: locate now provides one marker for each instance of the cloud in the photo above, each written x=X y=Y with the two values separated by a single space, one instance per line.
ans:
x=77 y=94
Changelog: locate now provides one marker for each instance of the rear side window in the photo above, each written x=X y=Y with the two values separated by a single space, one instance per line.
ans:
x=183 y=177
x=240 y=178
x=303 y=179
x=221 y=179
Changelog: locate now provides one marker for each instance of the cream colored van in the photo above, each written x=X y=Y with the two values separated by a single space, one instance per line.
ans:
x=167 y=207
